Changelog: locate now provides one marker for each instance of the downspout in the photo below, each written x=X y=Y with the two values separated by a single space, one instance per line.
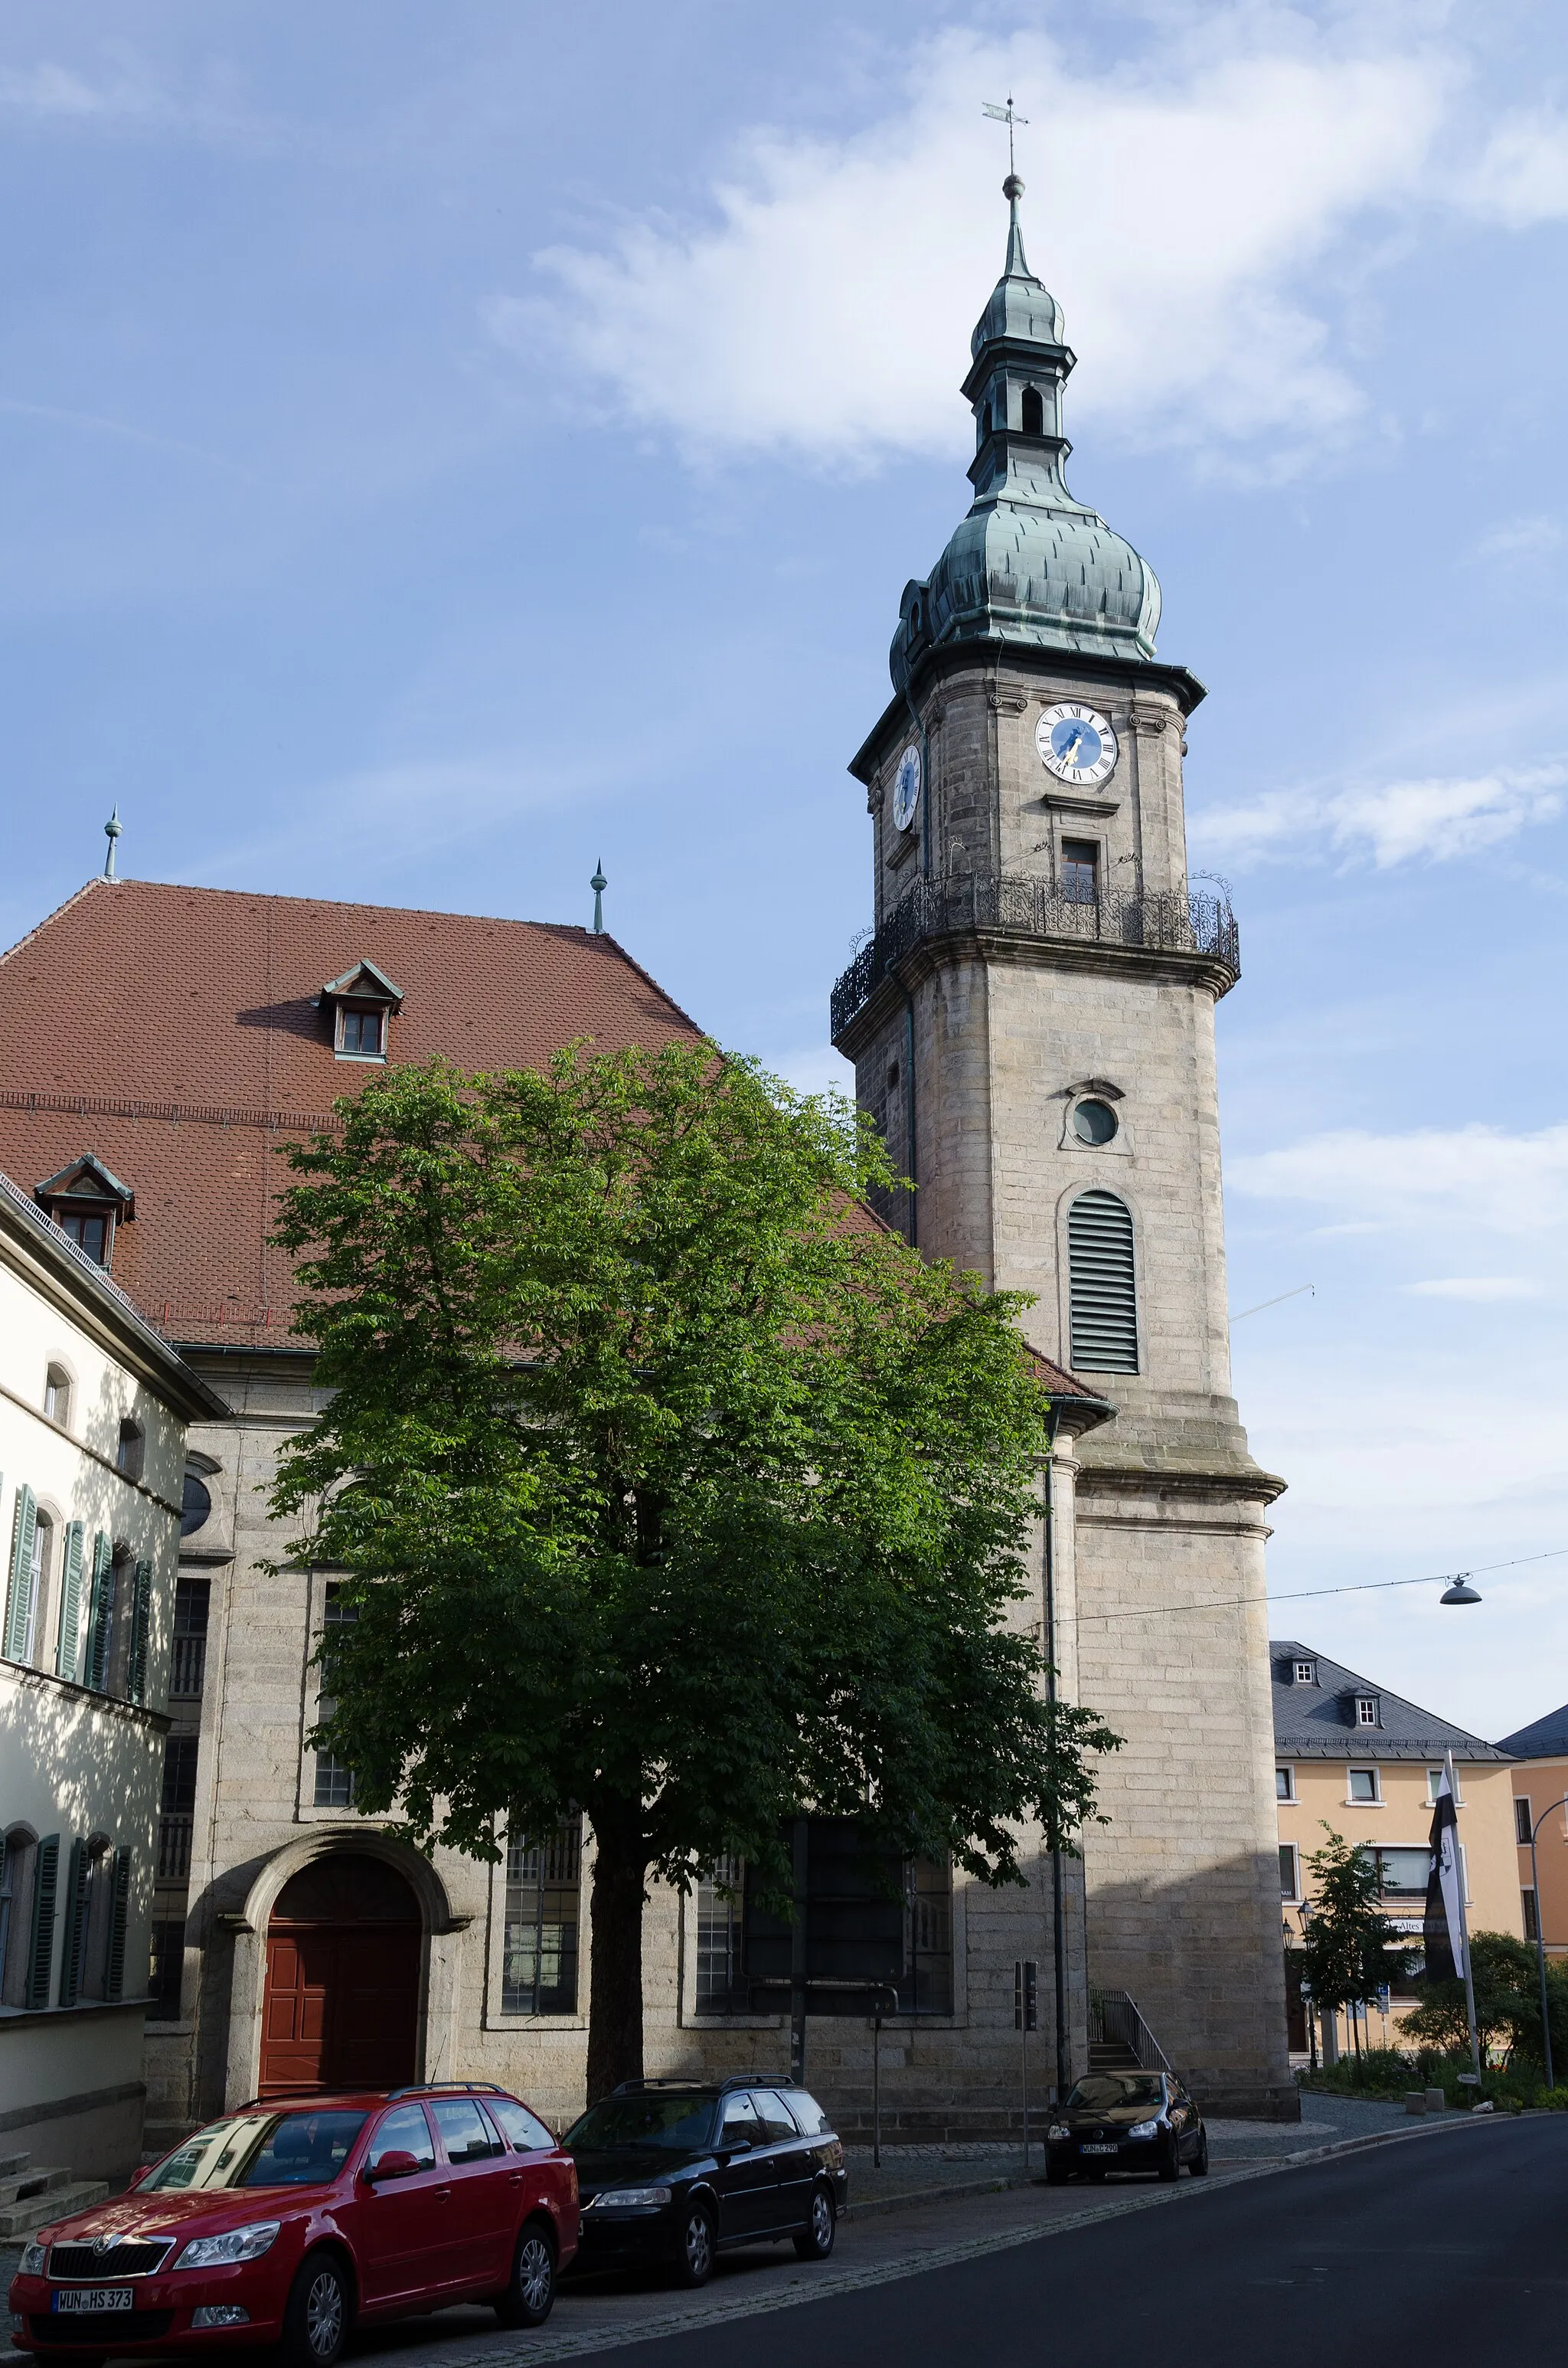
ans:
x=1058 y=1936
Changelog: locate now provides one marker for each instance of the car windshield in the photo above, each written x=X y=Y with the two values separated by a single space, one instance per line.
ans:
x=260 y=2150
x=678 y=2122
x=1104 y=2091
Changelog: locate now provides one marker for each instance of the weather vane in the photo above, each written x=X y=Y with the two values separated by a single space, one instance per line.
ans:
x=1005 y=115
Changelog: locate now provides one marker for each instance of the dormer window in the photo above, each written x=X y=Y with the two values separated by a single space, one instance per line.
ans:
x=359 y=1006
x=1304 y=1673
x=1367 y=1711
x=87 y=1202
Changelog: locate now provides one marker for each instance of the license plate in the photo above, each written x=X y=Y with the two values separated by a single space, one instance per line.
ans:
x=1097 y=2149
x=93 y=2298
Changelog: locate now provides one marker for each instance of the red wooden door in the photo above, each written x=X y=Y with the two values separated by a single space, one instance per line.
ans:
x=341 y=2007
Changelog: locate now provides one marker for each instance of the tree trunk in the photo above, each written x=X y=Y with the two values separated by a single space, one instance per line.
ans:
x=615 y=1987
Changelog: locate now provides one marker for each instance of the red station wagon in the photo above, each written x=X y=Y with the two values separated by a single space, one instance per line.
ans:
x=292 y=2222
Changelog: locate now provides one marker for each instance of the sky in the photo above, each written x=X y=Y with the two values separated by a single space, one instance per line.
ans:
x=441 y=450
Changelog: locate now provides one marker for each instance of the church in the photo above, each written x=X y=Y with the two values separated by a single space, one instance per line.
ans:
x=1031 y=1023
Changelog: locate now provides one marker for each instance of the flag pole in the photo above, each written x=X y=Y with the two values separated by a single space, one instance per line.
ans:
x=1464 y=1927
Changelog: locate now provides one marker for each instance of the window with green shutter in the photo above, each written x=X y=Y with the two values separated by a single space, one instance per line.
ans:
x=141 y=1625
x=20 y=1589
x=100 y=1619
x=68 y=1649
x=78 y=1893
x=119 y=1924
x=41 y=1939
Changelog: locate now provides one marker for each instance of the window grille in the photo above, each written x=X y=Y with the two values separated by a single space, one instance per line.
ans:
x=1102 y=1295
x=720 y=1926
x=1532 y=1927
x=177 y=1818
x=187 y=1667
x=927 y=1984
x=544 y=1883
x=335 y=1779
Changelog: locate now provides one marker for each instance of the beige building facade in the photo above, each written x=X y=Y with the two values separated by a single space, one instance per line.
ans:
x=94 y=1408
x=1540 y=1752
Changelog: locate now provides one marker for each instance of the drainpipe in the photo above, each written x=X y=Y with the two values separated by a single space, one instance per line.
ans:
x=1058 y=1936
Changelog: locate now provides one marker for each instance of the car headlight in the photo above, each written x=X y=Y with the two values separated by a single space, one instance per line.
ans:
x=1144 y=2130
x=1059 y=2130
x=33 y=2258
x=234 y=2245
x=617 y=2199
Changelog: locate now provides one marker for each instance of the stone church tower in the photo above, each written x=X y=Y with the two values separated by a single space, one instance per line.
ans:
x=1032 y=1024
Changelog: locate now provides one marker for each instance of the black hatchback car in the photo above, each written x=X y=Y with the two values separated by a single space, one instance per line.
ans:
x=1126 y=2121
x=669 y=2171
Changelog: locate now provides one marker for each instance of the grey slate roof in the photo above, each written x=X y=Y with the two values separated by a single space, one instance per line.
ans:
x=1317 y=1722
x=1544 y=1739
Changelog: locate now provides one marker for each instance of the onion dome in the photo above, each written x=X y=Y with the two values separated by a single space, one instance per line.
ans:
x=1029 y=563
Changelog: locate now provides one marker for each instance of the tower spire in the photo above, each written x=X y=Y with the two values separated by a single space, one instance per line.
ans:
x=112 y=830
x=1012 y=189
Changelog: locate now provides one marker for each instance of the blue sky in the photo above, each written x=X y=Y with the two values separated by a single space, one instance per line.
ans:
x=440 y=449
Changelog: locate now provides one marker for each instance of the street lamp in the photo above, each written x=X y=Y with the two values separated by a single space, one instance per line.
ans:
x=1459 y=1590
x=1540 y=1937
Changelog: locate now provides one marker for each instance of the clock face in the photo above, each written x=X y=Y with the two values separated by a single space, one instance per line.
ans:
x=1076 y=743
x=906 y=788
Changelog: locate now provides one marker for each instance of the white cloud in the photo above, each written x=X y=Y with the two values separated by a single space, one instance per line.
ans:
x=1521 y=538
x=1435 y=819
x=1475 y=1176
x=1479 y=1290
x=823 y=308
x=1521 y=178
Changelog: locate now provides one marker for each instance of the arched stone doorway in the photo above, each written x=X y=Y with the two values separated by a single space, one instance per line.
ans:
x=341 y=2005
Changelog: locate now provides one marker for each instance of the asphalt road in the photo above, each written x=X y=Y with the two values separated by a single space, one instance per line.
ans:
x=1451 y=2250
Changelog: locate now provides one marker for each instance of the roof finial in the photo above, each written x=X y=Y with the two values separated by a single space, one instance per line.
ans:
x=598 y=883
x=112 y=829
x=1012 y=189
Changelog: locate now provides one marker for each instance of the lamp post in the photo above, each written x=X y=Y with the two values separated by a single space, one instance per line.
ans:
x=1541 y=1937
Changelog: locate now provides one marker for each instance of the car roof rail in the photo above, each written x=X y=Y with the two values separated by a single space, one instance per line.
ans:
x=449 y=2088
x=712 y=2088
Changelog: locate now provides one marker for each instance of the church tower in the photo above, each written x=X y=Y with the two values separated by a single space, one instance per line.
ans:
x=1032 y=1024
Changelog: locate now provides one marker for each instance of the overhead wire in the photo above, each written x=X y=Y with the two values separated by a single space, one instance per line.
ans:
x=1300 y=1595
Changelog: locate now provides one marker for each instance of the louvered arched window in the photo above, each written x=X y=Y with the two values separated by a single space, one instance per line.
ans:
x=1102 y=1296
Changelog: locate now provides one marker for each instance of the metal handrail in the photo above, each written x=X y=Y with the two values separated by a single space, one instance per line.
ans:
x=1115 y=2017
x=1162 y=922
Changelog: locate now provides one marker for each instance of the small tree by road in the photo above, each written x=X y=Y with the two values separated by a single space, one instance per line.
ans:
x=1349 y=1948
x=666 y=1487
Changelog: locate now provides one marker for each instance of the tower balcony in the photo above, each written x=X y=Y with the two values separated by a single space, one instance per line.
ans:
x=1014 y=911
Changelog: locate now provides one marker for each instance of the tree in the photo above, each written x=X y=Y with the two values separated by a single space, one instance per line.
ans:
x=1506 y=1981
x=1349 y=1947
x=668 y=1487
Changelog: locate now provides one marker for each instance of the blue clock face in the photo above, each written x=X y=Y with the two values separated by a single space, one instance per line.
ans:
x=906 y=788
x=1076 y=743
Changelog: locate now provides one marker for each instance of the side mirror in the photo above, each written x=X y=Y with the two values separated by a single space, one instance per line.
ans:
x=137 y=2176
x=395 y=2165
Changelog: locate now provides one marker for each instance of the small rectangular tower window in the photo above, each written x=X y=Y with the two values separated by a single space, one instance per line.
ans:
x=1080 y=870
x=1522 y=1819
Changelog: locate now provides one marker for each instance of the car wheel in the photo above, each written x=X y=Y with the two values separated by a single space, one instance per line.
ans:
x=530 y=2291
x=315 y=2323
x=1199 y=2166
x=1170 y=2161
x=815 y=2242
x=694 y=2260
x=1057 y=2174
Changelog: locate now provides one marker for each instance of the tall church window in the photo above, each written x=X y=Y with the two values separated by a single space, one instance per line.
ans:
x=721 y=1924
x=1103 y=1303
x=335 y=1779
x=1034 y=412
x=538 y=1947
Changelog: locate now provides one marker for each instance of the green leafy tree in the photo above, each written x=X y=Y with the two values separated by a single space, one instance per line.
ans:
x=1349 y=1948
x=667 y=1485
x=1506 y=1981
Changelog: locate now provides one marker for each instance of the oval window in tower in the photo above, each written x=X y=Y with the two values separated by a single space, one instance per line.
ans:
x=1102 y=1293
x=1094 y=1122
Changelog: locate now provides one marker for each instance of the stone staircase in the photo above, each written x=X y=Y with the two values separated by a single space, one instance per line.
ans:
x=30 y=2199
x=1111 y=2055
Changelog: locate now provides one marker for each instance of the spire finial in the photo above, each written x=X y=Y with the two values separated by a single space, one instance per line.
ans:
x=598 y=883
x=112 y=830
x=1012 y=188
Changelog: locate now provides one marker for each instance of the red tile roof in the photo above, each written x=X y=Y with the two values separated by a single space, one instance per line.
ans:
x=173 y=1032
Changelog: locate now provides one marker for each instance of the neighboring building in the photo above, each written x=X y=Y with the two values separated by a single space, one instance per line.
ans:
x=1032 y=1025
x=1541 y=1784
x=94 y=1406
x=1351 y=1756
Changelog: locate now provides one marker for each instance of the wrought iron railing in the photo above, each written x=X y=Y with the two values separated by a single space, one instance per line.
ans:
x=1114 y=2018
x=1164 y=922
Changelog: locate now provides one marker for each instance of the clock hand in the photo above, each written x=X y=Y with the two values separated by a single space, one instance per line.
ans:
x=1069 y=749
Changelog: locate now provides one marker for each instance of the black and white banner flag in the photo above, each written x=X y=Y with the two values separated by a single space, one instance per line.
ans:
x=1444 y=1935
